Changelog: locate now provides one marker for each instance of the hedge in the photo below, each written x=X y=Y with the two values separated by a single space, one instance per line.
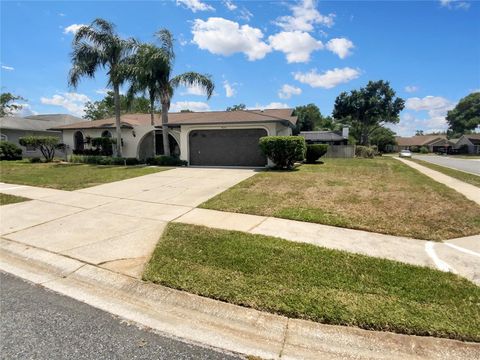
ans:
x=163 y=160
x=10 y=151
x=103 y=160
x=284 y=151
x=315 y=152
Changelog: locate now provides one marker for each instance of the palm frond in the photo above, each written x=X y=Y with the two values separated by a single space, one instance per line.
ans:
x=166 y=40
x=194 y=79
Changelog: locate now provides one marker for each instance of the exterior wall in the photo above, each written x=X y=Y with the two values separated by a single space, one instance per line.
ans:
x=14 y=136
x=271 y=128
x=464 y=141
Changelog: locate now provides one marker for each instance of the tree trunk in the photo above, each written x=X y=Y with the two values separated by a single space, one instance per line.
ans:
x=166 y=144
x=116 y=100
x=152 y=122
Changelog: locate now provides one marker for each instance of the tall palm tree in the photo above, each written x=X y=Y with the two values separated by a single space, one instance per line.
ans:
x=98 y=46
x=168 y=84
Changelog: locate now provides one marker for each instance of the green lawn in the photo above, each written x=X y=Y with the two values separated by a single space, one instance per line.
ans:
x=10 y=199
x=67 y=176
x=310 y=282
x=460 y=175
x=380 y=195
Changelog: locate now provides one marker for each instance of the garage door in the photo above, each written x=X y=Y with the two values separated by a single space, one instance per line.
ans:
x=234 y=147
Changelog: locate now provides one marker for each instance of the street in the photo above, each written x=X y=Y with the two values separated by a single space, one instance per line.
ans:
x=467 y=165
x=40 y=324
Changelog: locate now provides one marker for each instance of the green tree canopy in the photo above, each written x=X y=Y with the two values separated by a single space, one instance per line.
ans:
x=368 y=109
x=105 y=108
x=310 y=118
x=465 y=117
x=46 y=144
x=383 y=138
x=8 y=105
x=237 y=107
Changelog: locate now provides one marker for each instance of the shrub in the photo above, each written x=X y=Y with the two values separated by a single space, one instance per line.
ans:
x=284 y=151
x=35 y=160
x=415 y=149
x=315 y=152
x=10 y=151
x=46 y=144
x=163 y=160
x=364 y=152
x=424 y=150
x=104 y=145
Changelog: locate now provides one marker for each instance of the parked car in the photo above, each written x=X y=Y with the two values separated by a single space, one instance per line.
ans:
x=405 y=153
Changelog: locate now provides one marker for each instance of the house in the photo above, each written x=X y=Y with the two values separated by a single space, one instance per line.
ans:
x=326 y=137
x=12 y=128
x=472 y=141
x=434 y=143
x=215 y=138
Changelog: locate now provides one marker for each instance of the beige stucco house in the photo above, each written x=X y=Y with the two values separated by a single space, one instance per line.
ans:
x=216 y=138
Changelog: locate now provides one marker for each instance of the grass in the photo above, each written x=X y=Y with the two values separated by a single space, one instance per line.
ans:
x=314 y=283
x=460 y=175
x=67 y=176
x=380 y=195
x=6 y=199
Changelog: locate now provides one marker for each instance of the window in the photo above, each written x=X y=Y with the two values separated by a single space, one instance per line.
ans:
x=78 y=140
x=107 y=134
x=3 y=137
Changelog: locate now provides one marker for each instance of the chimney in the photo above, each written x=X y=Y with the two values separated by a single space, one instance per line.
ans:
x=345 y=132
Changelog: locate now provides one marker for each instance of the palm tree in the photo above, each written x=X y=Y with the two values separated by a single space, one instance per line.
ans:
x=98 y=46
x=167 y=85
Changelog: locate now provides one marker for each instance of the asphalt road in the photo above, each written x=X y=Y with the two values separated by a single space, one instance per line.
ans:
x=36 y=323
x=468 y=165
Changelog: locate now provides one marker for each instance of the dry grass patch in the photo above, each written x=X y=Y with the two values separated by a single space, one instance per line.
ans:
x=380 y=195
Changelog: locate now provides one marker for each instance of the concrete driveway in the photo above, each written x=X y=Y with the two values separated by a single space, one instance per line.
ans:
x=468 y=165
x=115 y=225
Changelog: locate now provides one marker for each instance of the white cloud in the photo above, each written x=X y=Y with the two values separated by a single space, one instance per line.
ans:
x=297 y=45
x=195 y=5
x=73 y=102
x=287 y=91
x=304 y=17
x=411 y=88
x=455 y=4
x=103 y=91
x=26 y=110
x=428 y=103
x=272 y=105
x=340 y=46
x=194 y=90
x=72 y=28
x=230 y=91
x=224 y=37
x=8 y=68
x=189 y=105
x=61 y=14
x=329 y=78
x=229 y=5
x=245 y=14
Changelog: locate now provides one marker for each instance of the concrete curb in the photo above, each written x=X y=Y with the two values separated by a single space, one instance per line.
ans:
x=214 y=323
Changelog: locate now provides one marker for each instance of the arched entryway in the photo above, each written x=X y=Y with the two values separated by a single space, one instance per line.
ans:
x=145 y=146
x=107 y=134
x=79 y=141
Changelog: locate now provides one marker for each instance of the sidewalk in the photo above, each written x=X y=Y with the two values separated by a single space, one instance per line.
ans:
x=216 y=323
x=471 y=192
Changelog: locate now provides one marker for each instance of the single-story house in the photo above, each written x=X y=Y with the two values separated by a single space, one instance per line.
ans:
x=215 y=138
x=12 y=128
x=472 y=141
x=326 y=137
x=434 y=143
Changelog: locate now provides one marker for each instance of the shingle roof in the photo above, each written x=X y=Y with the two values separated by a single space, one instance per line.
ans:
x=194 y=118
x=474 y=138
x=321 y=136
x=37 y=122
x=418 y=140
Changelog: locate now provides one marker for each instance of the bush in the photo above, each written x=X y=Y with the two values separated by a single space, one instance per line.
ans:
x=315 y=152
x=284 y=151
x=46 y=144
x=104 y=145
x=10 y=151
x=163 y=160
x=364 y=152
x=35 y=160
x=424 y=150
x=103 y=160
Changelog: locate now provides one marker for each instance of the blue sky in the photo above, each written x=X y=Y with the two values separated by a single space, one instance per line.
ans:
x=260 y=53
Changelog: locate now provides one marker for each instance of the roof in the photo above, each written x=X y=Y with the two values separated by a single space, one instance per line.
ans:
x=321 y=136
x=419 y=140
x=37 y=122
x=473 y=138
x=193 y=118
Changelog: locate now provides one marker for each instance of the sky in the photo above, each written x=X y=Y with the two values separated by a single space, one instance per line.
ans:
x=265 y=54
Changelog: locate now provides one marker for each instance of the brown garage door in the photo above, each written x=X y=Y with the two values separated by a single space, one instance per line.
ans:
x=234 y=147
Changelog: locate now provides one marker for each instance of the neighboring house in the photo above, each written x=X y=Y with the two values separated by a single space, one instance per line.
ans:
x=12 y=128
x=472 y=141
x=337 y=142
x=216 y=138
x=434 y=143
